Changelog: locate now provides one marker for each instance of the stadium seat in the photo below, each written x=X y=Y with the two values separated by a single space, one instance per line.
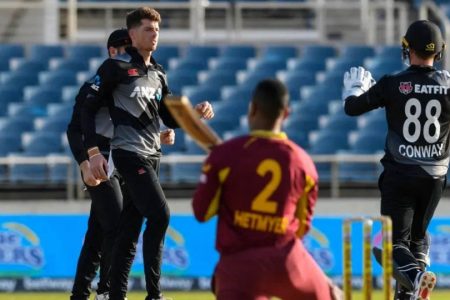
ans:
x=390 y=51
x=192 y=147
x=357 y=171
x=238 y=51
x=58 y=78
x=179 y=144
x=231 y=110
x=229 y=63
x=294 y=80
x=311 y=108
x=26 y=65
x=204 y=52
x=367 y=141
x=357 y=52
x=26 y=173
x=9 y=142
x=8 y=51
x=178 y=79
x=306 y=65
x=69 y=64
x=197 y=94
x=69 y=93
x=218 y=78
x=57 y=173
x=83 y=52
x=164 y=53
x=298 y=137
x=234 y=94
x=191 y=64
x=56 y=125
x=222 y=124
x=251 y=78
x=41 y=95
x=343 y=64
x=18 y=79
x=60 y=109
x=327 y=142
x=45 y=52
x=186 y=172
x=279 y=52
x=9 y=94
x=268 y=65
x=41 y=143
x=318 y=52
x=16 y=124
x=301 y=123
x=24 y=109
x=337 y=122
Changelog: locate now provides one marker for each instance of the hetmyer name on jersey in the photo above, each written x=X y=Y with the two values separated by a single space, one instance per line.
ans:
x=430 y=89
x=416 y=151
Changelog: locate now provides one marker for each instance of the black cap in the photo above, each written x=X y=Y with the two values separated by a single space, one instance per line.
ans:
x=424 y=37
x=119 y=38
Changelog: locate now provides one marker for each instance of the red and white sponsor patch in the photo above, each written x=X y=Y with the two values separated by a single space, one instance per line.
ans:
x=133 y=72
x=405 y=87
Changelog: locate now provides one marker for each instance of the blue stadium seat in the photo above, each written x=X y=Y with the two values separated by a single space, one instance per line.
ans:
x=24 y=109
x=178 y=79
x=8 y=51
x=25 y=173
x=83 y=52
x=230 y=63
x=222 y=124
x=164 y=53
x=203 y=52
x=58 y=78
x=345 y=63
x=219 y=78
x=279 y=52
x=357 y=172
x=252 y=78
x=231 y=110
x=318 y=52
x=305 y=64
x=269 y=65
x=367 y=141
x=321 y=92
x=358 y=52
x=69 y=93
x=328 y=142
x=192 y=147
x=9 y=142
x=190 y=65
x=17 y=124
x=41 y=143
x=58 y=173
x=390 y=51
x=294 y=80
x=197 y=94
x=18 y=80
x=56 y=125
x=9 y=94
x=311 y=108
x=238 y=51
x=237 y=94
x=301 y=123
x=31 y=66
x=45 y=52
x=69 y=65
x=186 y=172
x=41 y=95
x=298 y=137
x=337 y=122
x=60 y=109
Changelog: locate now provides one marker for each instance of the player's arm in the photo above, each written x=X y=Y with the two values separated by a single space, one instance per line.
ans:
x=100 y=88
x=205 y=203
x=76 y=143
x=307 y=184
x=361 y=94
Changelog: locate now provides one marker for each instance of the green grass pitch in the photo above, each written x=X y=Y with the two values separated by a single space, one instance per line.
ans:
x=436 y=295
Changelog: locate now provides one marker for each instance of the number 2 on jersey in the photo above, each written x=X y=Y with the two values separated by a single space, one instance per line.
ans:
x=412 y=119
x=262 y=202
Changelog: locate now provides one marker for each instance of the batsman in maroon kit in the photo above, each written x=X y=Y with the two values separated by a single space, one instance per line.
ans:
x=263 y=188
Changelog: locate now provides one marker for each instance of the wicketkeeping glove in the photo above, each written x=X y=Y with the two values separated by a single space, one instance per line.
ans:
x=357 y=82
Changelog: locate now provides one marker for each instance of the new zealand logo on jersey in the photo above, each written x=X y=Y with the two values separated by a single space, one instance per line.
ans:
x=405 y=87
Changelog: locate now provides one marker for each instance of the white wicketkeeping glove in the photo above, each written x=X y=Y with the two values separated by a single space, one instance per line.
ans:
x=357 y=82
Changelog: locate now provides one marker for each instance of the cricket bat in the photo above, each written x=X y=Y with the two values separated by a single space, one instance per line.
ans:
x=181 y=109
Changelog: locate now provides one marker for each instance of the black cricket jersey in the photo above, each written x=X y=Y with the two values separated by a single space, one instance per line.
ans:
x=103 y=128
x=134 y=94
x=417 y=103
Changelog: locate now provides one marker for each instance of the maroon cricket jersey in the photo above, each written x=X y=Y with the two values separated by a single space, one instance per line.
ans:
x=262 y=186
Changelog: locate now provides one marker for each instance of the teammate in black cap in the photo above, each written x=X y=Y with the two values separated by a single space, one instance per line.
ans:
x=416 y=159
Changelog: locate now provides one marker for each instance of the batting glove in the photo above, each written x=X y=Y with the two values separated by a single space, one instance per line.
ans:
x=357 y=82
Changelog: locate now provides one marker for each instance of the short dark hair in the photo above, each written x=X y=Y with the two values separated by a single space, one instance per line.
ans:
x=271 y=97
x=135 y=17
